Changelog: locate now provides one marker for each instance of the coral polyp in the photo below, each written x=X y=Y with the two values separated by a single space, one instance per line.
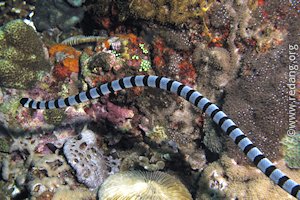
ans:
x=143 y=186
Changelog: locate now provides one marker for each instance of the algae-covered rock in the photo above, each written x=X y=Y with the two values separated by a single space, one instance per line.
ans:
x=22 y=58
x=4 y=145
x=291 y=150
x=55 y=116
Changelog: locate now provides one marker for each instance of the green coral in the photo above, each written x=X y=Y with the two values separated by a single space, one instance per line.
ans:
x=55 y=116
x=144 y=49
x=145 y=65
x=4 y=145
x=22 y=58
x=10 y=107
x=291 y=150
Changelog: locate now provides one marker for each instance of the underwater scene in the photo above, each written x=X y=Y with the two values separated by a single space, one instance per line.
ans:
x=149 y=99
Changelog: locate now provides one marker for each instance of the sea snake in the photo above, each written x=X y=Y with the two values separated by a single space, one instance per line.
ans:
x=196 y=98
x=80 y=39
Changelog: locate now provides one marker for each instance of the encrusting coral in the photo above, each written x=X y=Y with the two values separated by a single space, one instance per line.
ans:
x=250 y=97
x=78 y=194
x=66 y=59
x=22 y=56
x=143 y=185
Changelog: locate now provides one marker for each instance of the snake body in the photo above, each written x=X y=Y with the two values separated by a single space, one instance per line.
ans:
x=191 y=95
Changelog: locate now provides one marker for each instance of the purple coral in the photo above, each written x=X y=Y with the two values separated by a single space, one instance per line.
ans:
x=113 y=113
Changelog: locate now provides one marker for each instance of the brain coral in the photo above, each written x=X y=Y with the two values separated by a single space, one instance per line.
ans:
x=21 y=55
x=143 y=186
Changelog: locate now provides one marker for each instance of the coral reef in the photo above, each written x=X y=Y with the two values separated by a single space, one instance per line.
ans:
x=216 y=62
x=143 y=185
x=35 y=165
x=120 y=54
x=175 y=12
x=177 y=40
x=151 y=162
x=249 y=98
x=172 y=59
x=157 y=134
x=225 y=179
x=235 y=52
x=120 y=117
x=22 y=56
x=179 y=121
x=86 y=159
x=46 y=174
x=59 y=14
